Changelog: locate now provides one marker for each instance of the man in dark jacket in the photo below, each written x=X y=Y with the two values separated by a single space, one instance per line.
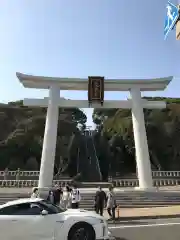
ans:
x=100 y=201
x=57 y=194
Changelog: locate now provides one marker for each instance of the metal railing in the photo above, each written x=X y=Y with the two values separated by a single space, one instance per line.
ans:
x=117 y=183
x=20 y=173
x=166 y=173
x=28 y=183
x=97 y=160
x=156 y=182
x=155 y=174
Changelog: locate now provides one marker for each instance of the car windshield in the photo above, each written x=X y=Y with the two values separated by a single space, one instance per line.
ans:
x=52 y=207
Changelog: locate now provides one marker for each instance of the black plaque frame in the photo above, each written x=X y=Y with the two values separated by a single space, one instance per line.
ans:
x=96 y=89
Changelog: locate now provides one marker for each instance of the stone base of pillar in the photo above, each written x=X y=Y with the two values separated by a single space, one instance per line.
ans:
x=150 y=189
x=43 y=192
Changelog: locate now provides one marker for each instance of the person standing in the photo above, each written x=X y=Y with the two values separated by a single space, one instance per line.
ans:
x=100 y=200
x=75 y=198
x=69 y=188
x=57 y=194
x=111 y=203
x=66 y=197
x=18 y=173
x=6 y=173
x=35 y=193
x=51 y=197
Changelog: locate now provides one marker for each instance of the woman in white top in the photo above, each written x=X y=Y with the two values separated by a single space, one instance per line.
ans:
x=111 y=203
x=66 y=197
x=75 y=198
x=35 y=193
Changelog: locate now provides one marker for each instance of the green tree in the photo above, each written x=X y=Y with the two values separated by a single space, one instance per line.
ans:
x=163 y=131
x=22 y=131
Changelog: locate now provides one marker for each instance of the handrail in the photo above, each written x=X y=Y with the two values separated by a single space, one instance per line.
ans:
x=97 y=160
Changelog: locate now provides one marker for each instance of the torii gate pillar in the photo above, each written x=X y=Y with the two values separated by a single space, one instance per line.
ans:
x=49 y=142
x=140 y=140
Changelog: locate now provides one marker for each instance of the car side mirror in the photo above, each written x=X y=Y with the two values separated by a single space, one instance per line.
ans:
x=44 y=213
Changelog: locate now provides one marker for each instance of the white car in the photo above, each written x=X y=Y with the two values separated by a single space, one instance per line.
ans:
x=38 y=219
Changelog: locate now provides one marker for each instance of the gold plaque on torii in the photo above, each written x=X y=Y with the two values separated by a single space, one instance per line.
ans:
x=96 y=89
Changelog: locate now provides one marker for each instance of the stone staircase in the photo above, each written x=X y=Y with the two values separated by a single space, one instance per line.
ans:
x=125 y=199
x=134 y=199
x=92 y=160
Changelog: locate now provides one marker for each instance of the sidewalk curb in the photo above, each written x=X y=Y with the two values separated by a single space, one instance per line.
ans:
x=143 y=218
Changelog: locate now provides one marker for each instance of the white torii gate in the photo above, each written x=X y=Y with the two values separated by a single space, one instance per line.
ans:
x=53 y=102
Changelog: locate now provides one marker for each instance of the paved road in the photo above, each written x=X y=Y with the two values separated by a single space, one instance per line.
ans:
x=150 y=230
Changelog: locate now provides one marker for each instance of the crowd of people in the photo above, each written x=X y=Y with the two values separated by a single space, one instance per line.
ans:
x=70 y=197
x=67 y=197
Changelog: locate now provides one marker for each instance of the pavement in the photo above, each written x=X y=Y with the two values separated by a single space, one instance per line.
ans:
x=158 y=229
x=138 y=214
x=146 y=213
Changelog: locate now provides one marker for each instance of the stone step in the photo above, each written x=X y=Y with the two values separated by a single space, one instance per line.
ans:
x=89 y=204
x=125 y=205
x=125 y=196
x=134 y=196
x=136 y=203
x=133 y=206
x=119 y=201
x=167 y=199
x=118 y=198
x=124 y=199
x=138 y=200
x=91 y=198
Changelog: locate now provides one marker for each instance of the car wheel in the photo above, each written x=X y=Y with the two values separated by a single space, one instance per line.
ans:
x=82 y=231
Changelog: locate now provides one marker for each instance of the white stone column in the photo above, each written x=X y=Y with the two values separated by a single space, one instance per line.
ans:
x=140 y=139
x=49 y=142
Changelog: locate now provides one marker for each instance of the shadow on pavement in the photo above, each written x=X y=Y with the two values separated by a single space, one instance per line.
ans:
x=132 y=223
x=177 y=215
x=119 y=238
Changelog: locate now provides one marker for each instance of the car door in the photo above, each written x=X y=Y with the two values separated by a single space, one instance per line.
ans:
x=37 y=227
x=9 y=229
x=33 y=224
x=53 y=221
x=26 y=222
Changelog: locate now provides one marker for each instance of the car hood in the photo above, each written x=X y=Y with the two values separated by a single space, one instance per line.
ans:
x=82 y=212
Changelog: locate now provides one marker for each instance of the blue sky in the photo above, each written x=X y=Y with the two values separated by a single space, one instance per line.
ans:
x=78 y=38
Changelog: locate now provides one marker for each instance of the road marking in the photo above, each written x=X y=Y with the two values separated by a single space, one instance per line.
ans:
x=144 y=225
